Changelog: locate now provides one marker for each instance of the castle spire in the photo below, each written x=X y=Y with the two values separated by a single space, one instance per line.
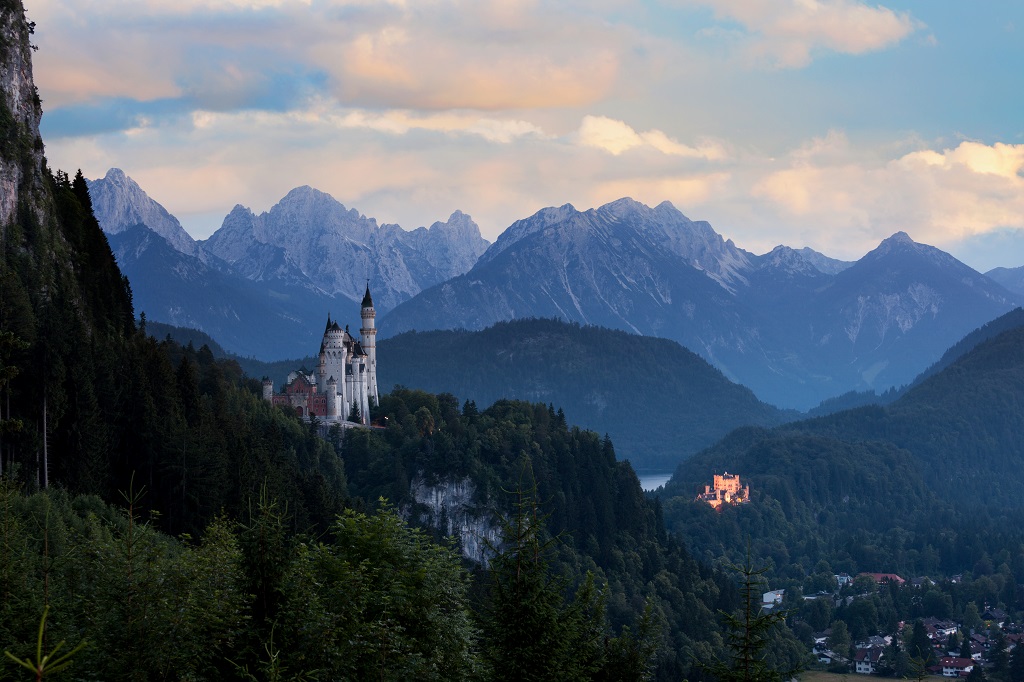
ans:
x=367 y=299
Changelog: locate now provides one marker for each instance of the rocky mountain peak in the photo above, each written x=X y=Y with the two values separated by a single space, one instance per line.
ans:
x=119 y=203
x=823 y=263
x=625 y=207
x=525 y=227
x=901 y=246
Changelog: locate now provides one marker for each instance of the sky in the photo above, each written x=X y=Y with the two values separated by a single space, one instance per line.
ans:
x=824 y=123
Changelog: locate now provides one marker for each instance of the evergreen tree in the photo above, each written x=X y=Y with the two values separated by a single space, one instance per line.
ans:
x=965 y=646
x=920 y=646
x=530 y=633
x=1017 y=664
x=748 y=634
x=998 y=657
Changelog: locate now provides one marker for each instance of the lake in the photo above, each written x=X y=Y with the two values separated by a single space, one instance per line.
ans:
x=653 y=479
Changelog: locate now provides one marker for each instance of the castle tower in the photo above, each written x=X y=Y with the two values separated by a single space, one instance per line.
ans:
x=333 y=399
x=368 y=340
x=333 y=357
x=268 y=389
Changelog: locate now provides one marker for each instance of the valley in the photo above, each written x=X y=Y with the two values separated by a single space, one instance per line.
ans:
x=610 y=445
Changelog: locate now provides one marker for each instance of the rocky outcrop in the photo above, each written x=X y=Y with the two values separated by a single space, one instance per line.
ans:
x=449 y=506
x=21 y=148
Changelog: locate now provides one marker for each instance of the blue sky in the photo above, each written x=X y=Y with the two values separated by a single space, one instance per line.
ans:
x=822 y=123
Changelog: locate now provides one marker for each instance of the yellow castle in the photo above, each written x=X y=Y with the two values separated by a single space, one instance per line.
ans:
x=727 y=489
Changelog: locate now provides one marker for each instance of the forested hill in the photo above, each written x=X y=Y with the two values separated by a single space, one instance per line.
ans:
x=921 y=485
x=659 y=402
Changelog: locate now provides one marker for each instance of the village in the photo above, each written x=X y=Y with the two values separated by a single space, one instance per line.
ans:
x=982 y=641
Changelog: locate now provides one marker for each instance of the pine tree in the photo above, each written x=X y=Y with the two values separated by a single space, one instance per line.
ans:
x=1017 y=664
x=749 y=634
x=530 y=632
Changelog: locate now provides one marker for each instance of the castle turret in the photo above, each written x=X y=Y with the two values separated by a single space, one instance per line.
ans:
x=333 y=357
x=333 y=399
x=368 y=340
x=268 y=389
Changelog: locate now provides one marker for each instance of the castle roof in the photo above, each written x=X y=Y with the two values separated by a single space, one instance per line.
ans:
x=332 y=325
x=367 y=299
x=357 y=349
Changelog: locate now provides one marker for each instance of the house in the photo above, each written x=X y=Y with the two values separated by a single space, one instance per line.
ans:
x=939 y=629
x=843 y=579
x=954 y=666
x=866 y=660
x=884 y=578
x=770 y=600
x=994 y=615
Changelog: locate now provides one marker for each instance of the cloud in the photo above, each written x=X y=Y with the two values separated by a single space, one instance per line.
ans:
x=684 y=191
x=617 y=137
x=939 y=196
x=787 y=33
x=325 y=115
x=425 y=55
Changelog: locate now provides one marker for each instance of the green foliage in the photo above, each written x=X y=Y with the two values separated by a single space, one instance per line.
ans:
x=531 y=632
x=749 y=634
x=655 y=595
x=381 y=601
x=46 y=664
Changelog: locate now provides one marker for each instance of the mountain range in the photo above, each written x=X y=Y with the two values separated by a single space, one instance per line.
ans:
x=262 y=284
x=794 y=325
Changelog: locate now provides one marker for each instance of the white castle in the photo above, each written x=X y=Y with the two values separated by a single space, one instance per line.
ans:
x=345 y=382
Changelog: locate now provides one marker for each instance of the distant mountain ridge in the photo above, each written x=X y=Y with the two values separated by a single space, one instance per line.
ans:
x=795 y=326
x=960 y=425
x=123 y=205
x=659 y=402
x=262 y=284
x=1011 y=278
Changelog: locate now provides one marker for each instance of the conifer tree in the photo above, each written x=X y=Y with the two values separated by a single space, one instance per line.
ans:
x=749 y=633
x=530 y=632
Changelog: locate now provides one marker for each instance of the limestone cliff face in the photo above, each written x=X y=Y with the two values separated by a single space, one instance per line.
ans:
x=450 y=507
x=21 y=148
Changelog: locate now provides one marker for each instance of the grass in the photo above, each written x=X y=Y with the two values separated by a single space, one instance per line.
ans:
x=823 y=676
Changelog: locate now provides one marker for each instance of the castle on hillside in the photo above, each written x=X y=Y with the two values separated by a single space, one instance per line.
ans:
x=344 y=384
x=726 y=489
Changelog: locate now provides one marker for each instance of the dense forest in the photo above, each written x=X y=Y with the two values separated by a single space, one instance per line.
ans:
x=159 y=520
x=659 y=402
x=926 y=487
